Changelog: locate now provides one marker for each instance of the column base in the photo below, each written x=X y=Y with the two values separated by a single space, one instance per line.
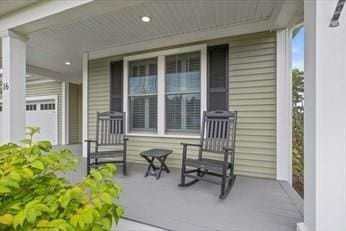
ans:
x=301 y=227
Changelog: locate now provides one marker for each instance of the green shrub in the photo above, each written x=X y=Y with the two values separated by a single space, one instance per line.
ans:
x=298 y=122
x=34 y=197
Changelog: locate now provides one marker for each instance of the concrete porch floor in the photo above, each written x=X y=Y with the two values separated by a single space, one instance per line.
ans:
x=254 y=204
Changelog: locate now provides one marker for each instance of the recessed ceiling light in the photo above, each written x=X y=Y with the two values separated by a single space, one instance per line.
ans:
x=146 y=19
x=68 y=63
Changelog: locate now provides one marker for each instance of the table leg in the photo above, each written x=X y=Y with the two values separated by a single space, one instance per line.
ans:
x=163 y=166
x=151 y=165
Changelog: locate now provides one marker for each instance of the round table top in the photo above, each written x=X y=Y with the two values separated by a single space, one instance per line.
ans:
x=156 y=152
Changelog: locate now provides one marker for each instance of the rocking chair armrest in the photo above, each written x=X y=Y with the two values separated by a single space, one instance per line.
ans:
x=90 y=141
x=126 y=139
x=228 y=149
x=187 y=144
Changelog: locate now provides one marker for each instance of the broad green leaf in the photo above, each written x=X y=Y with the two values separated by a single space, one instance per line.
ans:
x=65 y=199
x=97 y=202
x=44 y=145
x=120 y=211
x=106 y=223
x=106 y=198
x=43 y=223
x=4 y=189
x=97 y=228
x=97 y=175
x=28 y=172
x=35 y=150
x=6 y=219
x=19 y=219
x=74 y=219
x=37 y=164
x=15 y=176
x=10 y=183
x=31 y=215
x=42 y=207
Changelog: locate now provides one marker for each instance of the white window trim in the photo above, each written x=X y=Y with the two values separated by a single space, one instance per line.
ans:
x=161 y=86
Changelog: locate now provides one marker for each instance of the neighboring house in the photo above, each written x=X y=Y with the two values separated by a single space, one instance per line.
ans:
x=45 y=106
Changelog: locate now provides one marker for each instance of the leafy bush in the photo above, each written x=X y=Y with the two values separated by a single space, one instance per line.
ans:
x=34 y=197
x=298 y=122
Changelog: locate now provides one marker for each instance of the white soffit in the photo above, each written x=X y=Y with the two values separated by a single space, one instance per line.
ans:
x=51 y=47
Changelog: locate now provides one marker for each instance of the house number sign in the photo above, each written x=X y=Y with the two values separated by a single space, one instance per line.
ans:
x=5 y=86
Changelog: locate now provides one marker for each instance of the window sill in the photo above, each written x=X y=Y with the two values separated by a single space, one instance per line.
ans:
x=162 y=136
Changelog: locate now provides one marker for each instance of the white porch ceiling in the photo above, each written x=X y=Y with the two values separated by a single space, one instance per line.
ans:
x=51 y=47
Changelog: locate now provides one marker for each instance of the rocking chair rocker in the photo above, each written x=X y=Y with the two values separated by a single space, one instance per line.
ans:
x=218 y=135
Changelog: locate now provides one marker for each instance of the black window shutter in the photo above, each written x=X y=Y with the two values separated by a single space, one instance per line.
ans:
x=116 y=82
x=218 y=77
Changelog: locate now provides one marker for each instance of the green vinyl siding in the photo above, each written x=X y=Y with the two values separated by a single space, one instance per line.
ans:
x=252 y=92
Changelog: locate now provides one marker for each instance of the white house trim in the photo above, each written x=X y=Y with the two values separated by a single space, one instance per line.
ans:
x=161 y=83
x=161 y=102
x=65 y=113
x=284 y=106
x=38 y=11
x=85 y=102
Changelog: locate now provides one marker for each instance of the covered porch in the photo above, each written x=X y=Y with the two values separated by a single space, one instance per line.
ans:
x=253 y=204
x=81 y=39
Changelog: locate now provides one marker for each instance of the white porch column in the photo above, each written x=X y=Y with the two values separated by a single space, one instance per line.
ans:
x=85 y=102
x=284 y=105
x=12 y=126
x=65 y=112
x=325 y=119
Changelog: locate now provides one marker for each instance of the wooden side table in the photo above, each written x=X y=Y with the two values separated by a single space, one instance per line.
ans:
x=159 y=154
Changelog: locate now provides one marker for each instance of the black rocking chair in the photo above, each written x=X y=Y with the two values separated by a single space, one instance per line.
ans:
x=218 y=135
x=110 y=127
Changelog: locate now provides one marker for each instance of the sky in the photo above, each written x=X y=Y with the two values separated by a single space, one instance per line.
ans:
x=298 y=50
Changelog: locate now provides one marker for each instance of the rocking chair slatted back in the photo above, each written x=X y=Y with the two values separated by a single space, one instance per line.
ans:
x=218 y=130
x=110 y=128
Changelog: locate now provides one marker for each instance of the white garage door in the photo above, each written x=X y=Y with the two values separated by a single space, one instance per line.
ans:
x=42 y=114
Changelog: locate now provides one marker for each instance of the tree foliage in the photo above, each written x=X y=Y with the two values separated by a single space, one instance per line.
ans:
x=34 y=197
x=298 y=122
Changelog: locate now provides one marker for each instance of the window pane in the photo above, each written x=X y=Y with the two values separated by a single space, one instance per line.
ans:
x=182 y=85
x=143 y=112
x=143 y=95
x=174 y=112
x=183 y=73
x=193 y=112
x=183 y=112
x=143 y=77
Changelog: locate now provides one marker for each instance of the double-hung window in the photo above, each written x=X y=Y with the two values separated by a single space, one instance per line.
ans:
x=142 y=95
x=183 y=92
x=166 y=91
